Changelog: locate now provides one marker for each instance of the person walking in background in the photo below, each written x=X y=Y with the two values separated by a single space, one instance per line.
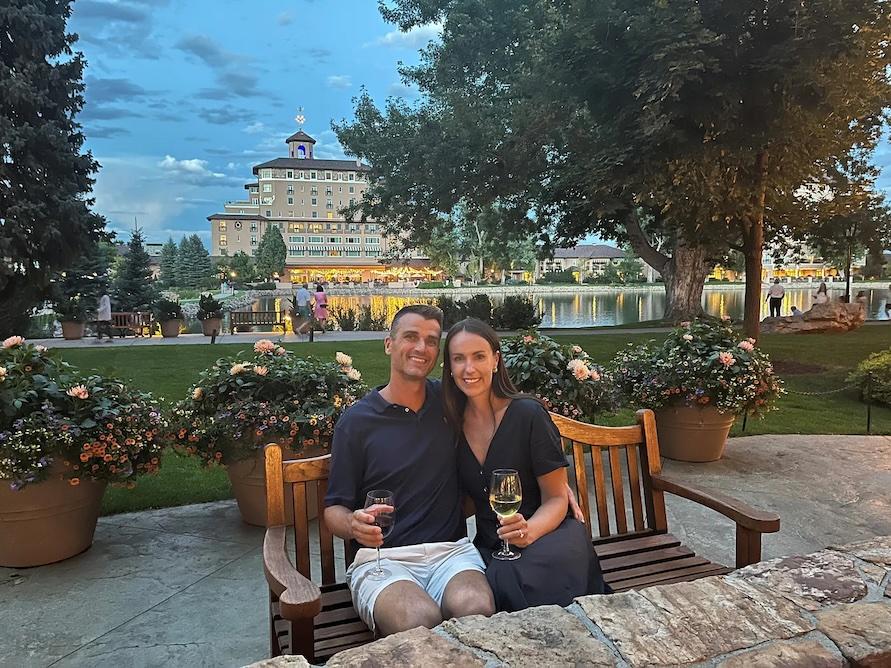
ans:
x=775 y=296
x=103 y=318
x=321 y=307
x=302 y=314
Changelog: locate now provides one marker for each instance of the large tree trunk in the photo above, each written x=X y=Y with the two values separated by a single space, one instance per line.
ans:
x=753 y=250
x=684 y=272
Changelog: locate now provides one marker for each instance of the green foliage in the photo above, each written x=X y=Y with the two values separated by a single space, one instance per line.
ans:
x=133 y=288
x=193 y=266
x=242 y=403
x=262 y=286
x=514 y=313
x=238 y=269
x=431 y=285
x=49 y=411
x=368 y=321
x=76 y=291
x=166 y=309
x=564 y=377
x=45 y=179
x=168 y=276
x=566 y=276
x=452 y=311
x=209 y=308
x=479 y=306
x=271 y=253
x=345 y=316
x=703 y=363
x=874 y=377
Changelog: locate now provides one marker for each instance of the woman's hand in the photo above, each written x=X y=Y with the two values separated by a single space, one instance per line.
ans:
x=516 y=530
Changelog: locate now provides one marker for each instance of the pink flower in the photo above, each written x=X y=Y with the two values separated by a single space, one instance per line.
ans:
x=726 y=359
x=581 y=372
x=280 y=351
x=264 y=347
x=261 y=370
x=685 y=323
x=78 y=392
x=725 y=317
x=237 y=369
x=688 y=337
x=745 y=345
x=577 y=350
x=13 y=341
x=528 y=339
x=594 y=375
x=197 y=394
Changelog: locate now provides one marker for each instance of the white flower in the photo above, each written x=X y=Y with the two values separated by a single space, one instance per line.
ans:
x=197 y=393
x=261 y=370
x=343 y=359
x=576 y=349
x=353 y=374
x=40 y=349
x=13 y=341
x=688 y=337
x=78 y=391
x=745 y=345
x=2 y=373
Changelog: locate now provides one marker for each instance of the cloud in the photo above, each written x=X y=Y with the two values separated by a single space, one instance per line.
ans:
x=104 y=132
x=90 y=10
x=285 y=19
x=328 y=148
x=118 y=29
x=208 y=51
x=402 y=89
x=414 y=38
x=113 y=90
x=225 y=115
x=196 y=200
x=319 y=54
x=341 y=81
x=255 y=128
x=100 y=113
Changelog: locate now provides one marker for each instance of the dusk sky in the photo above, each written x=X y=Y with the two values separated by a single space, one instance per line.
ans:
x=183 y=98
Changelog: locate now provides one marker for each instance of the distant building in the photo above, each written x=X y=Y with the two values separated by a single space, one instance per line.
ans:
x=302 y=196
x=587 y=260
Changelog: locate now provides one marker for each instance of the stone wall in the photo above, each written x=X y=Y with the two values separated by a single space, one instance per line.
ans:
x=826 y=609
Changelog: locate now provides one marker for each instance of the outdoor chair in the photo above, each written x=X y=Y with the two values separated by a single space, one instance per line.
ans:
x=317 y=620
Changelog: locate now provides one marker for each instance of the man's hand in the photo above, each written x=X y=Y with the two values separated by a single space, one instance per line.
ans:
x=362 y=527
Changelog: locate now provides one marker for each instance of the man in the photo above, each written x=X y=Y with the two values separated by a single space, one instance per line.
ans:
x=103 y=318
x=396 y=438
x=301 y=309
x=775 y=295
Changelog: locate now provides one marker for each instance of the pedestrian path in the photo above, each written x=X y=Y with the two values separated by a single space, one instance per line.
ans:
x=184 y=586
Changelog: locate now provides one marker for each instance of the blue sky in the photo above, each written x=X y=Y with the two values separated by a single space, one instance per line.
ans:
x=183 y=98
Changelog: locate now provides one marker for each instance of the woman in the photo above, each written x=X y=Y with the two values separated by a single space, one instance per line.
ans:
x=822 y=296
x=321 y=306
x=500 y=428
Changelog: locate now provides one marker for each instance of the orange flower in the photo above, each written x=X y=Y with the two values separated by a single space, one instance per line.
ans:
x=74 y=482
x=154 y=460
x=107 y=458
x=84 y=456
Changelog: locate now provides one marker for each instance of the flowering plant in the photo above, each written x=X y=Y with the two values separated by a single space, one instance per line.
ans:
x=242 y=403
x=98 y=428
x=701 y=363
x=563 y=376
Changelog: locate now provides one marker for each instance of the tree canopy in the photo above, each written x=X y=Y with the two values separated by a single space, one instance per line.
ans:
x=271 y=253
x=45 y=178
x=133 y=288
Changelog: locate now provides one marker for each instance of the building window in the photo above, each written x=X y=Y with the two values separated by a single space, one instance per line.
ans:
x=335 y=240
x=370 y=227
x=354 y=227
x=352 y=176
x=315 y=240
x=265 y=173
x=352 y=240
x=253 y=227
x=327 y=176
x=269 y=213
x=293 y=250
x=255 y=200
x=316 y=252
x=372 y=241
x=267 y=187
x=329 y=203
x=352 y=201
x=290 y=175
x=267 y=200
x=290 y=200
x=313 y=191
x=315 y=214
x=301 y=152
x=223 y=225
x=223 y=241
x=237 y=224
x=290 y=190
x=315 y=227
x=372 y=253
x=314 y=201
x=329 y=190
x=352 y=253
x=352 y=189
x=312 y=175
x=253 y=241
x=295 y=227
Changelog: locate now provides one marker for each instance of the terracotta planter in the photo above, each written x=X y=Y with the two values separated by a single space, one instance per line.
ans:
x=73 y=330
x=48 y=521
x=693 y=434
x=170 y=328
x=248 y=478
x=208 y=326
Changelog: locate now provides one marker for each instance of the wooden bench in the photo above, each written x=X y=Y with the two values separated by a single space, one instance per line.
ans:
x=132 y=322
x=318 y=620
x=256 y=318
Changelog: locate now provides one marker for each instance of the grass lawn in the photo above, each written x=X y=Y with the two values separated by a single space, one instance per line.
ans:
x=812 y=363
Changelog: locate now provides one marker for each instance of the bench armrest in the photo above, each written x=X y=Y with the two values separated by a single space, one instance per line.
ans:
x=298 y=597
x=744 y=515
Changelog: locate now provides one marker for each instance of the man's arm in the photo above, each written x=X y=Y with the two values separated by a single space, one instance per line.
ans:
x=355 y=525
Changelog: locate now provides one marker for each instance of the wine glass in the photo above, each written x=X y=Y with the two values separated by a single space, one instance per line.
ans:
x=505 y=497
x=383 y=519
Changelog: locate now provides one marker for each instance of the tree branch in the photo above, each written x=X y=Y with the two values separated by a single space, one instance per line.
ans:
x=641 y=244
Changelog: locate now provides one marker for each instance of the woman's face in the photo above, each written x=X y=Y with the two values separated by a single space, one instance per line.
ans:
x=473 y=363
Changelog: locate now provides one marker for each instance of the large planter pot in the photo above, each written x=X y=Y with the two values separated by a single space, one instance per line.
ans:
x=170 y=328
x=248 y=479
x=47 y=521
x=210 y=325
x=73 y=330
x=693 y=434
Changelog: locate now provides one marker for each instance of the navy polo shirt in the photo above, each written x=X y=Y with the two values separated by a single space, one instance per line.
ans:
x=380 y=445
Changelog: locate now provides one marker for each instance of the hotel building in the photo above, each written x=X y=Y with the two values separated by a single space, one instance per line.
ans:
x=303 y=197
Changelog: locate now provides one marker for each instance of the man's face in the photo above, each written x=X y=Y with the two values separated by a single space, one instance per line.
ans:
x=414 y=346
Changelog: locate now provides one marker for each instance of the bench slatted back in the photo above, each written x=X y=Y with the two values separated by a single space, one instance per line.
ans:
x=299 y=473
x=622 y=459
x=256 y=317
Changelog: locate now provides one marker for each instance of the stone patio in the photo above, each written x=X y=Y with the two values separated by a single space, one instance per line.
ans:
x=184 y=586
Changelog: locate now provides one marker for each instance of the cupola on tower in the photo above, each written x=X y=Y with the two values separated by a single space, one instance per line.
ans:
x=300 y=145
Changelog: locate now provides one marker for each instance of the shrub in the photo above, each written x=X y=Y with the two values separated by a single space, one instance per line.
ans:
x=209 y=308
x=563 y=376
x=558 y=277
x=70 y=309
x=431 y=285
x=268 y=285
x=452 y=311
x=241 y=403
x=874 y=377
x=479 y=306
x=703 y=363
x=98 y=426
x=516 y=312
x=167 y=309
x=368 y=321
x=345 y=316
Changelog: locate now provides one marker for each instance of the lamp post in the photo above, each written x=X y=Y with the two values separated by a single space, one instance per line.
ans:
x=849 y=238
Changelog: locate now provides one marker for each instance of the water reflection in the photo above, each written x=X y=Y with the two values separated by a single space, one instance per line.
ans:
x=615 y=307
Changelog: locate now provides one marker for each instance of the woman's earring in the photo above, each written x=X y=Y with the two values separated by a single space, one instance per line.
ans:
x=495 y=370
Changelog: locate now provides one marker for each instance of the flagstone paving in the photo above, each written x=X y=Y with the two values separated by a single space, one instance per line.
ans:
x=184 y=586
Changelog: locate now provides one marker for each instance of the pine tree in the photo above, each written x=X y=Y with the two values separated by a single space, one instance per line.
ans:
x=271 y=253
x=203 y=269
x=134 y=288
x=45 y=221
x=76 y=291
x=184 y=263
x=168 y=264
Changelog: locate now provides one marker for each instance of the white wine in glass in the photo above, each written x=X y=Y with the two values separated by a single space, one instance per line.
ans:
x=383 y=519
x=505 y=497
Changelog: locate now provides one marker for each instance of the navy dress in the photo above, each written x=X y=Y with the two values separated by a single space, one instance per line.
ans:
x=558 y=566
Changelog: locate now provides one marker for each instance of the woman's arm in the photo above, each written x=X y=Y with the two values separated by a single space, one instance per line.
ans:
x=522 y=532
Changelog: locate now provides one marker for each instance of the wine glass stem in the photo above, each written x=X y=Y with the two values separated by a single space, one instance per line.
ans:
x=378 y=558
x=506 y=546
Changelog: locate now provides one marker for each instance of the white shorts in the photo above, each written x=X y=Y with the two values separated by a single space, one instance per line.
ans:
x=430 y=566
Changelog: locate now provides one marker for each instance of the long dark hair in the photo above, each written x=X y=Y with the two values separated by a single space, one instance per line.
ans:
x=454 y=400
